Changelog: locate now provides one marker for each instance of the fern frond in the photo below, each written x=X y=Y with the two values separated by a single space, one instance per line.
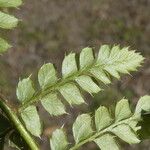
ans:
x=7 y=21
x=111 y=61
x=123 y=126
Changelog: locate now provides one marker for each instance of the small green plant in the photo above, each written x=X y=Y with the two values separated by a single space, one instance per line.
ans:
x=110 y=62
x=86 y=71
x=124 y=125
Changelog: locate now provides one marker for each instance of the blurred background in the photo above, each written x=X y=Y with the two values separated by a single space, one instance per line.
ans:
x=49 y=29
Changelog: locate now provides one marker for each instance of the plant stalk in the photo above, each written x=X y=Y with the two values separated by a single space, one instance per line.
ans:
x=17 y=124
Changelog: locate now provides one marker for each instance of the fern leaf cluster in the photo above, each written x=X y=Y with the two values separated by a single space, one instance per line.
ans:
x=110 y=62
x=106 y=129
x=7 y=21
x=85 y=71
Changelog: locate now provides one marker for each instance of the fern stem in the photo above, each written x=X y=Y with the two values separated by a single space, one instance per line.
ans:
x=96 y=135
x=18 y=125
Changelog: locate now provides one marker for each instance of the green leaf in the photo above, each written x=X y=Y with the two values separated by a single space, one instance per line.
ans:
x=134 y=125
x=82 y=128
x=102 y=118
x=4 y=45
x=25 y=90
x=10 y=3
x=87 y=84
x=117 y=60
x=104 y=53
x=125 y=133
x=32 y=121
x=47 y=75
x=7 y=21
x=53 y=104
x=111 y=70
x=58 y=140
x=98 y=73
x=71 y=93
x=69 y=65
x=143 y=104
x=122 y=110
x=107 y=142
x=86 y=57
